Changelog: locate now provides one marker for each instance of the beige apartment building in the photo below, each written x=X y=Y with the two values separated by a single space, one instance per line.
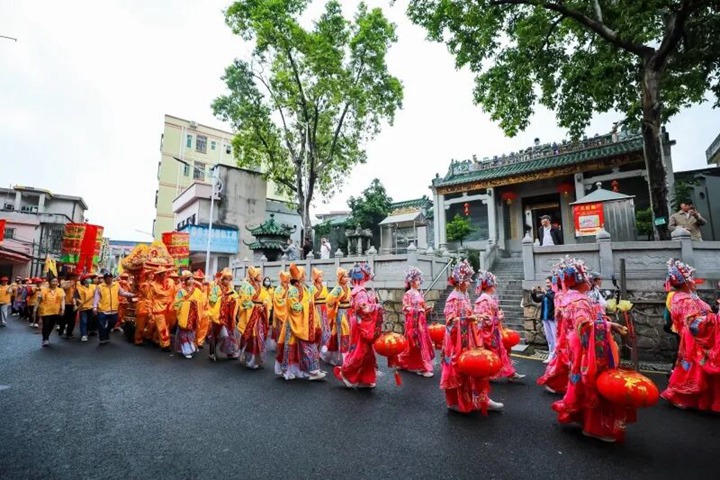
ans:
x=200 y=147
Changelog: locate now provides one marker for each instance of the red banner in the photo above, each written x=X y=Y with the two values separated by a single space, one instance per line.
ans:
x=589 y=218
x=2 y=230
x=178 y=245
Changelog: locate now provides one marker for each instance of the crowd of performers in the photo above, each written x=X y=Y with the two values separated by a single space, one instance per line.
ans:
x=305 y=324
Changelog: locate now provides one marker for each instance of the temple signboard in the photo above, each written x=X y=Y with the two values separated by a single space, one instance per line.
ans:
x=588 y=219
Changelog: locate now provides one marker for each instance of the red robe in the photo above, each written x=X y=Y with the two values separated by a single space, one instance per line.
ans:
x=360 y=365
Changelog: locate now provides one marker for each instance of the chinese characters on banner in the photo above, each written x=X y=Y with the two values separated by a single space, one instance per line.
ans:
x=588 y=218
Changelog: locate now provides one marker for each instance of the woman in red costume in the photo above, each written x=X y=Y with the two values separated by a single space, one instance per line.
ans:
x=359 y=369
x=555 y=378
x=419 y=356
x=490 y=319
x=695 y=380
x=592 y=351
x=463 y=394
x=224 y=336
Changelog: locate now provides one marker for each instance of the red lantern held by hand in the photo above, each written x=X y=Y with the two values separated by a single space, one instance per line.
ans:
x=437 y=333
x=510 y=338
x=391 y=345
x=479 y=363
x=627 y=387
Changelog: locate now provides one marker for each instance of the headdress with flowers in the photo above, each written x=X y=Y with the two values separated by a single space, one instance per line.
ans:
x=361 y=272
x=569 y=272
x=412 y=274
x=485 y=279
x=679 y=274
x=462 y=272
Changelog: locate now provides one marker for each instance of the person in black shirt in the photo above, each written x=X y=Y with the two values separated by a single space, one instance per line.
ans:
x=546 y=298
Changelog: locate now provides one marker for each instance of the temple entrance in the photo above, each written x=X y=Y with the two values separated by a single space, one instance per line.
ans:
x=535 y=207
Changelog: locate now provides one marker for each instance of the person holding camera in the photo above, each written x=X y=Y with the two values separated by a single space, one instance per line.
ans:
x=689 y=219
x=545 y=296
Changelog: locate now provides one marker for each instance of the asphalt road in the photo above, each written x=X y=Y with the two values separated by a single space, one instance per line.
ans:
x=80 y=411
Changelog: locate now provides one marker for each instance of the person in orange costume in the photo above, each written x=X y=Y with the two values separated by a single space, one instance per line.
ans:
x=338 y=305
x=279 y=311
x=223 y=301
x=171 y=317
x=122 y=309
x=161 y=299
x=203 y=324
x=252 y=323
x=320 y=293
x=143 y=318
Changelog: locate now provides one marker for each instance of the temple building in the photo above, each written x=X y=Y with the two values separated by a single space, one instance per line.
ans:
x=505 y=196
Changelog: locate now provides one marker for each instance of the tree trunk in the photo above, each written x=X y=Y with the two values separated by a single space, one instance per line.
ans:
x=651 y=132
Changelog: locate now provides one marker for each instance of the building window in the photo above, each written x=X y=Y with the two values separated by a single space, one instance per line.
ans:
x=201 y=143
x=212 y=145
x=192 y=220
x=186 y=170
x=189 y=141
x=199 y=171
x=156 y=198
x=228 y=149
x=9 y=233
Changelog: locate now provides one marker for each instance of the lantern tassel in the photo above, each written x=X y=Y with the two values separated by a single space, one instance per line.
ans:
x=398 y=378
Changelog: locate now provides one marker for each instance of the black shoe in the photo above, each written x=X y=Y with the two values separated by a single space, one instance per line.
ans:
x=167 y=349
x=92 y=334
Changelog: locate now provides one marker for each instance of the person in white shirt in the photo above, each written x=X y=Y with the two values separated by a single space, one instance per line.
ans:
x=547 y=234
x=325 y=249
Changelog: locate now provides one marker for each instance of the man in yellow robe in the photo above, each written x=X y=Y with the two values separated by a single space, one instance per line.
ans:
x=254 y=309
x=279 y=299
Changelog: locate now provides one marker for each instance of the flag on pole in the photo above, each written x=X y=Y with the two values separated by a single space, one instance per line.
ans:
x=50 y=268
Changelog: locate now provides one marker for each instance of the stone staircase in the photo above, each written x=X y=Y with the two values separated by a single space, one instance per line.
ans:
x=509 y=272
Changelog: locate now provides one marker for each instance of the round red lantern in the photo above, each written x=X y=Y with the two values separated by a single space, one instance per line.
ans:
x=508 y=197
x=627 y=387
x=510 y=338
x=437 y=333
x=390 y=344
x=479 y=362
x=565 y=188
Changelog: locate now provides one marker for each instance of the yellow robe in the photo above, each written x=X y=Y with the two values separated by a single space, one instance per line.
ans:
x=335 y=298
x=183 y=302
x=298 y=315
x=248 y=297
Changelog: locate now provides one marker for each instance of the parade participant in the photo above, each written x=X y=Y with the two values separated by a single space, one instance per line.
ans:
x=50 y=307
x=203 y=324
x=31 y=300
x=419 y=356
x=175 y=286
x=253 y=319
x=189 y=305
x=463 y=393
x=338 y=307
x=297 y=353
x=320 y=292
x=555 y=378
x=489 y=319
x=5 y=300
x=224 y=337
x=106 y=304
x=359 y=368
x=270 y=291
x=67 y=323
x=122 y=311
x=20 y=302
x=161 y=299
x=592 y=351
x=695 y=379
x=279 y=311
x=14 y=287
x=143 y=309
x=85 y=295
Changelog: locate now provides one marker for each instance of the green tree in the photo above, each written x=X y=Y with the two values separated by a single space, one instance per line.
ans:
x=458 y=229
x=644 y=223
x=370 y=208
x=307 y=100
x=645 y=59
x=683 y=192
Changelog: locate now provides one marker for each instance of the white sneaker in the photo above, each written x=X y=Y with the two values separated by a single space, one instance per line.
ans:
x=547 y=360
x=188 y=356
x=46 y=343
x=84 y=338
x=549 y=389
x=495 y=406
x=316 y=376
x=516 y=377
x=426 y=374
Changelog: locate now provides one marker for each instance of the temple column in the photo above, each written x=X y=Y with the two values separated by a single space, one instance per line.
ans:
x=492 y=222
x=579 y=186
x=442 y=216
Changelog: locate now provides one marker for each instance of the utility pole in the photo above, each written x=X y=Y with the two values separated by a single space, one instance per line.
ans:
x=8 y=38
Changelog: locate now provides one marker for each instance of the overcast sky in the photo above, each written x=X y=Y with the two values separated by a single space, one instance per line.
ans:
x=84 y=89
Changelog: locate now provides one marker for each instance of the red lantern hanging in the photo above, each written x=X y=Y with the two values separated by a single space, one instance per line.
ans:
x=479 y=362
x=565 y=188
x=467 y=209
x=627 y=387
x=508 y=197
x=510 y=338
x=437 y=333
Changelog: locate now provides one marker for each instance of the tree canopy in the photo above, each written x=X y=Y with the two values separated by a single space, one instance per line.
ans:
x=308 y=99
x=458 y=228
x=371 y=207
x=647 y=60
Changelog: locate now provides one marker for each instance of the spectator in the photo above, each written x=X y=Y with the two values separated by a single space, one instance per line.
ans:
x=688 y=218
x=307 y=248
x=325 y=248
x=291 y=250
x=595 y=294
x=546 y=298
x=547 y=234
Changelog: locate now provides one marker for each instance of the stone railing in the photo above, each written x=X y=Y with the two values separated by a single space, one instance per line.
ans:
x=645 y=268
x=488 y=256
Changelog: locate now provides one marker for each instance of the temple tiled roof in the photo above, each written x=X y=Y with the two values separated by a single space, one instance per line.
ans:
x=271 y=228
x=526 y=162
x=415 y=203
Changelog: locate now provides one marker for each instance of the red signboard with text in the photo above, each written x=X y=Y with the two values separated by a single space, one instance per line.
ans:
x=588 y=219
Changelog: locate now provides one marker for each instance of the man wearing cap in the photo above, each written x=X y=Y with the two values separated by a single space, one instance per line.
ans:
x=5 y=295
x=85 y=295
x=106 y=304
x=67 y=324
x=547 y=234
x=50 y=307
x=253 y=314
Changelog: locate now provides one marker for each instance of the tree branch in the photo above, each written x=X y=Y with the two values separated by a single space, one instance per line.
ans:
x=598 y=11
x=591 y=24
x=296 y=74
x=280 y=109
x=552 y=28
x=674 y=30
x=268 y=150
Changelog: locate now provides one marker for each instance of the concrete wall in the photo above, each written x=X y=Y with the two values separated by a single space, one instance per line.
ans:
x=242 y=203
x=646 y=268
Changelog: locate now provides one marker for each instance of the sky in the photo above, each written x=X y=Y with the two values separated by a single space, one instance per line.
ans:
x=84 y=90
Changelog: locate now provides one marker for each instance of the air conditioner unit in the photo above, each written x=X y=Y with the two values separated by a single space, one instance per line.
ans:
x=8 y=206
x=193 y=124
